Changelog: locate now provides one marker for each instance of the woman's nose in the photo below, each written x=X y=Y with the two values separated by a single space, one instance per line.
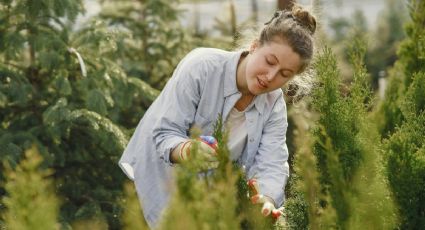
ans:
x=272 y=74
x=270 y=77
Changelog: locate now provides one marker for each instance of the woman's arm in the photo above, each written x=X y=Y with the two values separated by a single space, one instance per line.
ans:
x=270 y=167
x=180 y=100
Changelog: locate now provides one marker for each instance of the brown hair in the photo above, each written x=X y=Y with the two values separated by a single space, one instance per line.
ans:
x=295 y=26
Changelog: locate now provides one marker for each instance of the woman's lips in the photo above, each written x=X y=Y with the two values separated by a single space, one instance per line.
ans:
x=261 y=83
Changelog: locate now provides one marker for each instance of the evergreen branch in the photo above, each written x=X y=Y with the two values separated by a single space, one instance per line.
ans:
x=10 y=63
x=98 y=124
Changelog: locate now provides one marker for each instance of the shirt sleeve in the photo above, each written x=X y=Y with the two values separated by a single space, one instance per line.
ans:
x=179 y=101
x=270 y=166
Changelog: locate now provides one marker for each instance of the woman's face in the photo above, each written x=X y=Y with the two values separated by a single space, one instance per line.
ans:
x=270 y=66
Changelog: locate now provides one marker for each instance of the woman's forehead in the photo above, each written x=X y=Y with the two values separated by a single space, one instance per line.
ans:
x=285 y=55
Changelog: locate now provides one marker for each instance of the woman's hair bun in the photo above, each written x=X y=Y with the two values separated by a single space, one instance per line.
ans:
x=304 y=18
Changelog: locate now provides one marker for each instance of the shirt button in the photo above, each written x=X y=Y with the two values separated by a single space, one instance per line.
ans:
x=250 y=120
x=251 y=140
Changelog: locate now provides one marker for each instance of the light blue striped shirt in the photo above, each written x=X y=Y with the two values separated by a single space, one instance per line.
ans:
x=203 y=86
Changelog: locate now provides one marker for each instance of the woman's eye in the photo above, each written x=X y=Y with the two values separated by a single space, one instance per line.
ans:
x=269 y=62
x=283 y=75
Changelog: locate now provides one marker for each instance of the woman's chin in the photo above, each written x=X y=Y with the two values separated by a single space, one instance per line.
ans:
x=255 y=91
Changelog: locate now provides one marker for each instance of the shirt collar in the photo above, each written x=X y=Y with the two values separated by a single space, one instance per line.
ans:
x=230 y=86
x=260 y=102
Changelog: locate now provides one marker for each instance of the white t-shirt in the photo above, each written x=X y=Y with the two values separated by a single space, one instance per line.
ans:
x=236 y=127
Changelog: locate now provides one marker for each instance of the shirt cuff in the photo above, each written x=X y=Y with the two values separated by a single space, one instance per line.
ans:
x=166 y=148
x=127 y=169
x=276 y=193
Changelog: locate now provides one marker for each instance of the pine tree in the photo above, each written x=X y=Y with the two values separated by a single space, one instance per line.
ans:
x=385 y=39
x=302 y=206
x=63 y=90
x=411 y=60
x=405 y=150
x=157 y=40
x=337 y=122
x=352 y=192
x=204 y=199
x=402 y=116
x=213 y=199
x=132 y=215
x=30 y=200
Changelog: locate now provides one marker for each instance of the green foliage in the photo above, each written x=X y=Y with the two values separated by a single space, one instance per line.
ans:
x=383 y=39
x=205 y=198
x=372 y=201
x=402 y=113
x=411 y=55
x=349 y=190
x=389 y=113
x=156 y=41
x=338 y=117
x=302 y=207
x=228 y=26
x=412 y=49
x=30 y=199
x=132 y=217
x=414 y=103
x=406 y=157
x=213 y=198
x=63 y=90
x=297 y=210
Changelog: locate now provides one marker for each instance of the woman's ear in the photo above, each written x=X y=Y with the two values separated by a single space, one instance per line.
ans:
x=254 y=45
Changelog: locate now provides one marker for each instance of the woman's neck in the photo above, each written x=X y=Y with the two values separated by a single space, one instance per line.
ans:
x=240 y=75
x=241 y=83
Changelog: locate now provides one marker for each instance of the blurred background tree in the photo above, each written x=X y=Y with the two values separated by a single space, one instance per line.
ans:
x=402 y=121
x=61 y=90
x=30 y=205
x=349 y=190
x=157 y=40
x=382 y=39
x=399 y=155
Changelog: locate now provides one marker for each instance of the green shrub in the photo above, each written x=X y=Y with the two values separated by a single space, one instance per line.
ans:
x=30 y=199
x=405 y=151
x=349 y=190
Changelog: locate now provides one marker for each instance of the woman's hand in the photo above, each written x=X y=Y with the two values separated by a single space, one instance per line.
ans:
x=268 y=203
x=207 y=146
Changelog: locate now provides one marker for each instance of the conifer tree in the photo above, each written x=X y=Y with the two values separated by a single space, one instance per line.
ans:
x=64 y=91
x=405 y=150
x=157 y=41
x=204 y=198
x=386 y=38
x=402 y=121
x=353 y=191
x=132 y=214
x=30 y=201
x=303 y=210
x=336 y=121
x=411 y=60
x=213 y=198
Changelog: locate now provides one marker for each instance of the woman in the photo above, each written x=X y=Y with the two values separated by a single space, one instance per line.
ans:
x=244 y=87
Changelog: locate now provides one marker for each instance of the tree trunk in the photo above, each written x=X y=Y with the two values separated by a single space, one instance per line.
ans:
x=285 y=4
x=254 y=8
